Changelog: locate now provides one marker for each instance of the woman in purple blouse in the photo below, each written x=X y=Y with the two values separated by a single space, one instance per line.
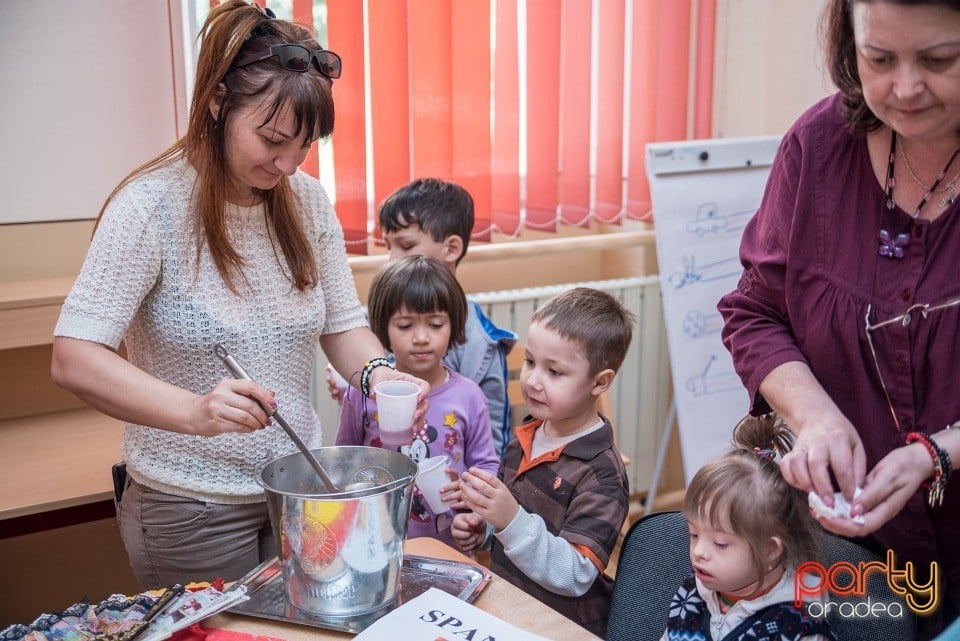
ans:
x=847 y=318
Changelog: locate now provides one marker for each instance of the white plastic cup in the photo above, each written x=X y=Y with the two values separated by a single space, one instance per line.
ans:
x=396 y=403
x=431 y=476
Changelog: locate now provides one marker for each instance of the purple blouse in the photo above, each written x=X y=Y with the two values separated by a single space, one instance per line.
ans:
x=811 y=267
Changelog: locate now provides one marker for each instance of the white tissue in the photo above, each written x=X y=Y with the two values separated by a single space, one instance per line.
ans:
x=841 y=508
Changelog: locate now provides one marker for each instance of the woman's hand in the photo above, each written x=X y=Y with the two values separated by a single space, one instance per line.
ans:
x=889 y=486
x=116 y=387
x=487 y=495
x=826 y=443
x=234 y=405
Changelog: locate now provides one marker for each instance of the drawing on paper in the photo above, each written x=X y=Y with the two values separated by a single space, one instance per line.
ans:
x=697 y=324
x=691 y=273
x=708 y=382
x=709 y=220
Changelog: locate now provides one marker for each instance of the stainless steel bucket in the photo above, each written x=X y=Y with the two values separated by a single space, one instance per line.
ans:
x=340 y=553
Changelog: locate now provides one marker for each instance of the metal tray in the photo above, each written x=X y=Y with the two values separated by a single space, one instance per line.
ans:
x=268 y=598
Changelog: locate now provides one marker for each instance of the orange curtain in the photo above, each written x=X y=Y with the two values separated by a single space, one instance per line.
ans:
x=541 y=109
x=506 y=119
x=659 y=79
x=303 y=13
x=643 y=91
x=610 y=110
x=471 y=143
x=389 y=97
x=574 y=193
x=345 y=29
x=706 y=42
x=543 y=112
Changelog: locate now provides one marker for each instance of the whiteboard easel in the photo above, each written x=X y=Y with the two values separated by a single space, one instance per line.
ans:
x=703 y=193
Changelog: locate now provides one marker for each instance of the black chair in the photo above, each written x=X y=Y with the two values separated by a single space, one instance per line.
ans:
x=655 y=557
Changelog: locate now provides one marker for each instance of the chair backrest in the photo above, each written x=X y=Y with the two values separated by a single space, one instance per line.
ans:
x=847 y=621
x=655 y=558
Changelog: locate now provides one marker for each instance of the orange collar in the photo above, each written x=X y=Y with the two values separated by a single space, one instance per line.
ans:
x=525 y=434
x=731 y=601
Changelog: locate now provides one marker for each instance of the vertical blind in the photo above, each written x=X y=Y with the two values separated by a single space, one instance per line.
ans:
x=540 y=109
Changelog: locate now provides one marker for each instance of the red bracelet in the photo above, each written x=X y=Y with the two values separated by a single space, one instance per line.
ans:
x=917 y=437
x=935 y=486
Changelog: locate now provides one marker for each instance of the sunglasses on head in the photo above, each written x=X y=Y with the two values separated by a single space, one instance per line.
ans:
x=297 y=58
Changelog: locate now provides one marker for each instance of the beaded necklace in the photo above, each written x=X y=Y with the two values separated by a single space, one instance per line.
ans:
x=894 y=246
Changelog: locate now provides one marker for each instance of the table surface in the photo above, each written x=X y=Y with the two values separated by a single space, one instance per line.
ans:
x=500 y=598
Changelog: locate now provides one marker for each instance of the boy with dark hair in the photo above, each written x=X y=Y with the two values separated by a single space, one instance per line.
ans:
x=432 y=217
x=556 y=507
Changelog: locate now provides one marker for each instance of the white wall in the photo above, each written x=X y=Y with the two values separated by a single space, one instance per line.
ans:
x=88 y=94
x=768 y=65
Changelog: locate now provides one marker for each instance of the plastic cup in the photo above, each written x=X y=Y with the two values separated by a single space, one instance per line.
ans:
x=396 y=403
x=431 y=476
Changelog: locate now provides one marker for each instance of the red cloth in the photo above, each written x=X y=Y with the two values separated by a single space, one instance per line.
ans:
x=197 y=632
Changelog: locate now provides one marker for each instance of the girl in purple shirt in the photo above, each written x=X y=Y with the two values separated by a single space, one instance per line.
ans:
x=418 y=309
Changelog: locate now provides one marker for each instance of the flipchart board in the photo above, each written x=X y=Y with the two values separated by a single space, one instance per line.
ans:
x=703 y=193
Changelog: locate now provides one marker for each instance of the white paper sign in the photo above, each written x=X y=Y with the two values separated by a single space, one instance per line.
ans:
x=438 y=616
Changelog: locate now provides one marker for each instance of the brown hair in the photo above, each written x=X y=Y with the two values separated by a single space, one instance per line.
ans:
x=596 y=321
x=421 y=284
x=841 y=58
x=232 y=30
x=743 y=492
x=438 y=208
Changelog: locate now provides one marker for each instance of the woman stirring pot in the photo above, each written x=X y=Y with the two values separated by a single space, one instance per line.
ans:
x=220 y=239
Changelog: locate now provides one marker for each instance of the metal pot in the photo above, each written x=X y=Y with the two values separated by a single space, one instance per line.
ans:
x=340 y=553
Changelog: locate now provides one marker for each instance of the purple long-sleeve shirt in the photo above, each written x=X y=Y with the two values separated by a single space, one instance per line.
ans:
x=811 y=267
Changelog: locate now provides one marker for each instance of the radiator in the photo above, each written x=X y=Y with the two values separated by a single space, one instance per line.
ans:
x=641 y=392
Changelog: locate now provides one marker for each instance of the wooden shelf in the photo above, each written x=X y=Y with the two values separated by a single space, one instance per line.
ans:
x=57 y=460
x=29 y=310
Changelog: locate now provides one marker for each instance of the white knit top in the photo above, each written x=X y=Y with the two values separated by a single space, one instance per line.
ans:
x=139 y=284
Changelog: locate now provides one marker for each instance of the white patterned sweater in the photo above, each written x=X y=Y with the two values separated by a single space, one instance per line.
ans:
x=139 y=284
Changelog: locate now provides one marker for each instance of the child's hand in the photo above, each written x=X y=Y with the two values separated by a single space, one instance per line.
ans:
x=486 y=495
x=450 y=493
x=334 y=382
x=468 y=530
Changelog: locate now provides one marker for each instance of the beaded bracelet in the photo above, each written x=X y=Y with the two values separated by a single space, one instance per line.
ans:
x=944 y=455
x=368 y=368
x=946 y=465
x=936 y=487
